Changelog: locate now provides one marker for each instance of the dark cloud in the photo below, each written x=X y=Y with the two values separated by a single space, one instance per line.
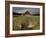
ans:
x=23 y=10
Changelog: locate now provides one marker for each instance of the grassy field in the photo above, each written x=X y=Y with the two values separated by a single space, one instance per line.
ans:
x=18 y=20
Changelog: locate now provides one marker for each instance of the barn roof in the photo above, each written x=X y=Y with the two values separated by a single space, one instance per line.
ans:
x=27 y=12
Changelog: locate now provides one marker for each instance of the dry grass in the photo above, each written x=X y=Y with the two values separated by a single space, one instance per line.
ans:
x=17 y=21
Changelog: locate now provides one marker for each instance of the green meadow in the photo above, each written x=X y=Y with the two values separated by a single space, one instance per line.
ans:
x=18 y=20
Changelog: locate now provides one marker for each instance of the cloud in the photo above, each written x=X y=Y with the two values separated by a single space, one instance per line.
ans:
x=23 y=10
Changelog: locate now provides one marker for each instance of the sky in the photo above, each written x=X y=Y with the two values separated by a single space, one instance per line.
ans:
x=23 y=10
